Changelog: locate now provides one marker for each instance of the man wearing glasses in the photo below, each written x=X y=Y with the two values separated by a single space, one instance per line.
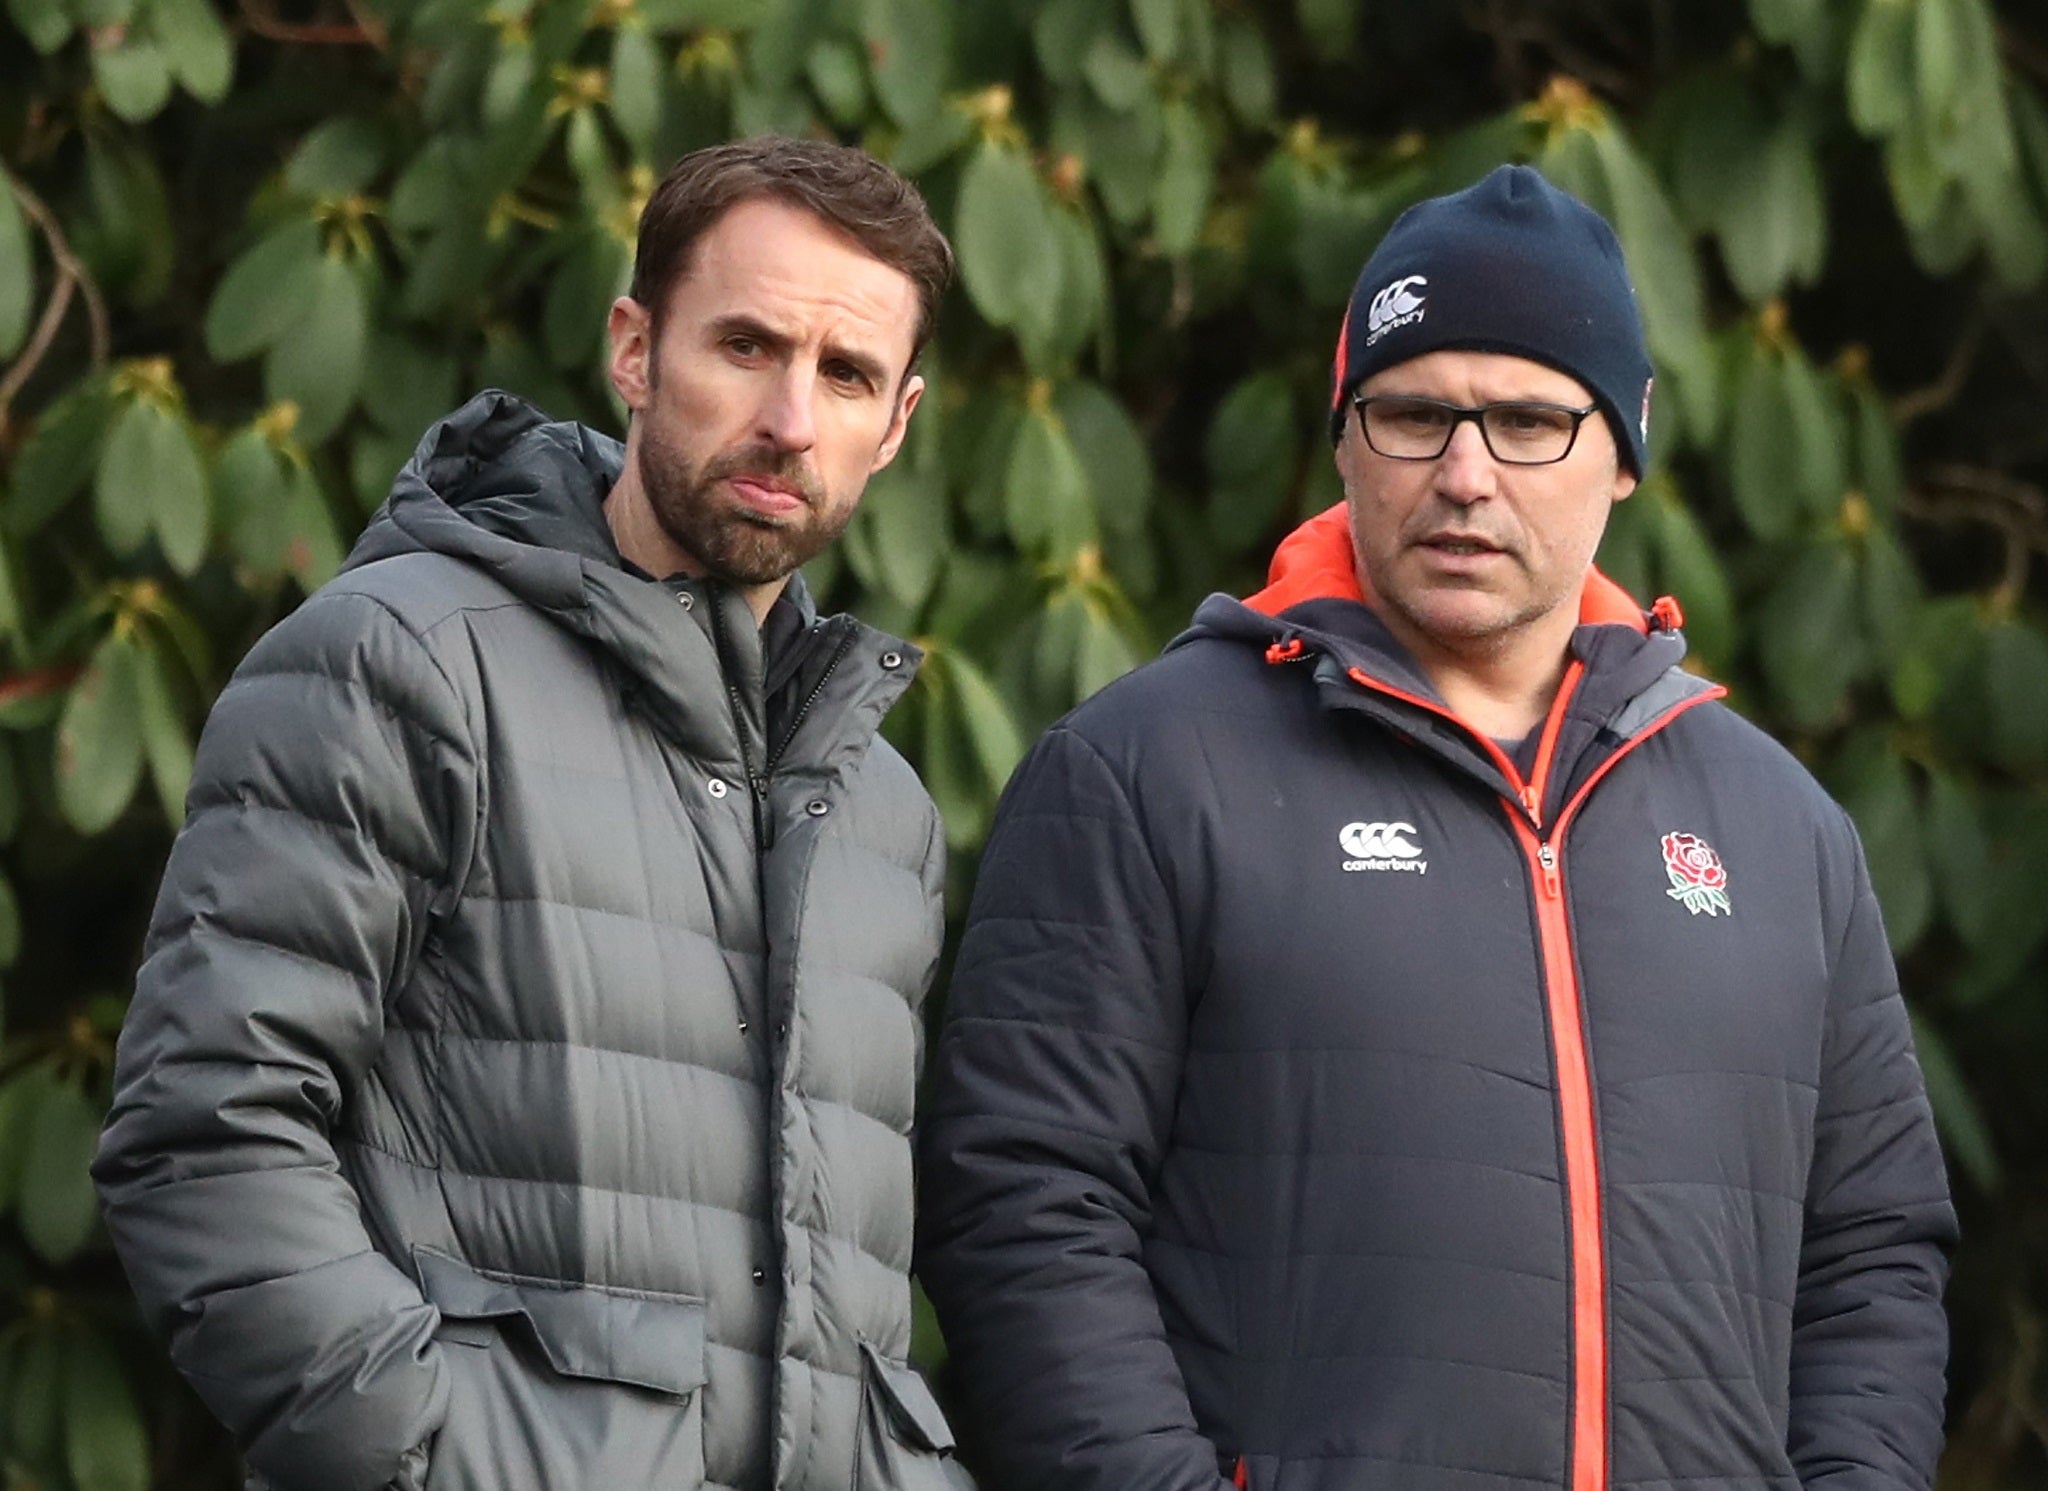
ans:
x=1412 y=1034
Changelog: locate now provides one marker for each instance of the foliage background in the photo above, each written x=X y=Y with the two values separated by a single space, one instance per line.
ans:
x=246 y=255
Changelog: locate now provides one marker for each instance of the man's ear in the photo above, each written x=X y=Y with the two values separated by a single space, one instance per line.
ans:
x=1624 y=482
x=899 y=422
x=631 y=330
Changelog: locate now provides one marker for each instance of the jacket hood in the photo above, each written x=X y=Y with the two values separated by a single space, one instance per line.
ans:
x=501 y=486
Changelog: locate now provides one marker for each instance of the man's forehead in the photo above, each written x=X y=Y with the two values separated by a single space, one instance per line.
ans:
x=1476 y=374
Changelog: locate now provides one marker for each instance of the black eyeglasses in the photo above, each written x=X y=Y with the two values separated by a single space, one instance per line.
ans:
x=1518 y=432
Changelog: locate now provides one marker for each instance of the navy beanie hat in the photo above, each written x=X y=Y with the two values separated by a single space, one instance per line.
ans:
x=1510 y=265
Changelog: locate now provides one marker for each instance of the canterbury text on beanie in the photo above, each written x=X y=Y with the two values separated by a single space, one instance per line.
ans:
x=1511 y=265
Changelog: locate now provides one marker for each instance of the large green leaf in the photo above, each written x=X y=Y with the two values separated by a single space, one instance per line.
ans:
x=134 y=77
x=34 y=1415
x=1054 y=331
x=1004 y=234
x=142 y=436
x=1249 y=84
x=1112 y=452
x=17 y=273
x=99 y=738
x=319 y=367
x=105 y=1448
x=265 y=292
x=1810 y=635
x=196 y=47
x=639 y=86
x=1763 y=447
x=166 y=744
x=59 y=456
x=1777 y=235
x=1187 y=179
x=905 y=513
x=57 y=1205
x=46 y=23
x=909 y=55
x=1158 y=24
x=338 y=158
x=1116 y=71
x=1121 y=148
x=1253 y=451
x=596 y=270
x=998 y=744
x=180 y=503
x=1046 y=500
x=1819 y=442
x=2016 y=679
x=1880 y=76
x=1874 y=785
x=1956 y=1111
x=1692 y=571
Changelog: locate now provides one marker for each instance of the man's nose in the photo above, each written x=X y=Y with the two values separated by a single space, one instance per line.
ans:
x=785 y=416
x=1466 y=472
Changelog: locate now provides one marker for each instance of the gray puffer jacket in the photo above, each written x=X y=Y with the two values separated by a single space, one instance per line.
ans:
x=518 y=1085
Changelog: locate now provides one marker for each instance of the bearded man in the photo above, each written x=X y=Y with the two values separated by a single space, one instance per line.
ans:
x=518 y=1085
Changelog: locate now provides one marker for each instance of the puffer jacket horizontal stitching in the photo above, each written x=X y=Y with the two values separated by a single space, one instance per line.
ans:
x=380 y=701
x=244 y=802
x=1351 y=1255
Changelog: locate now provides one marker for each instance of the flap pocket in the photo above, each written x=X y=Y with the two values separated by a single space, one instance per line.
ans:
x=584 y=1330
x=913 y=1412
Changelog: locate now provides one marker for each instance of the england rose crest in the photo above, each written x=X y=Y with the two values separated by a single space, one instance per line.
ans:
x=1699 y=881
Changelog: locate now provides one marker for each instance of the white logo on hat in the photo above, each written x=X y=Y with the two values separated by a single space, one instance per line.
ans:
x=1396 y=305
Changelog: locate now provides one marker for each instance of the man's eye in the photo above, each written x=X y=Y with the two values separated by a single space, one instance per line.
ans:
x=1417 y=416
x=846 y=375
x=742 y=346
x=1526 y=420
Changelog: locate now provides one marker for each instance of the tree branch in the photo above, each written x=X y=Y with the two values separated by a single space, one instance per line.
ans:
x=1946 y=389
x=2016 y=510
x=365 y=29
x=72 y=277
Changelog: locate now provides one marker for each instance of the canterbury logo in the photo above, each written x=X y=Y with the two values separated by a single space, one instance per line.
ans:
x=1397 y=305
x=1381 y=846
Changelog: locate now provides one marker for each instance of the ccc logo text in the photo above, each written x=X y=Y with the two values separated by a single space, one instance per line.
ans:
x=1381 y=846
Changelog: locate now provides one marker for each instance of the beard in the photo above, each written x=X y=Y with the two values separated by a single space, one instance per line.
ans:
x=732 y=542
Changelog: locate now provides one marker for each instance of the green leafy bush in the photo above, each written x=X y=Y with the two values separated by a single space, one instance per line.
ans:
x=246 y=256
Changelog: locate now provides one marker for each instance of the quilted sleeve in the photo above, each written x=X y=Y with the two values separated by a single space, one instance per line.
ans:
x=1055 y=1082
x=332 y=802
x=1869 y=1339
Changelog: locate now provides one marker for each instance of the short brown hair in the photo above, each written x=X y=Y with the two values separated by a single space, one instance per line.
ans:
x=846 y=187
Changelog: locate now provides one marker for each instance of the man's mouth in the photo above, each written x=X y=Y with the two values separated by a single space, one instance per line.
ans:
x=766 y=493
x=1462 y=545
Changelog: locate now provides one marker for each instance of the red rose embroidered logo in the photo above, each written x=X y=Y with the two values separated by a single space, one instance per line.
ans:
x=1699 y=882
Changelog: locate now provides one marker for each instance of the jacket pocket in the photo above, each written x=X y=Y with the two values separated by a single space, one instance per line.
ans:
x=554 y=1387
x=904 y=1443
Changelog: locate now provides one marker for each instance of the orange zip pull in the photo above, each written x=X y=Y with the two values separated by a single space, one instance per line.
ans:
x=1553 y=883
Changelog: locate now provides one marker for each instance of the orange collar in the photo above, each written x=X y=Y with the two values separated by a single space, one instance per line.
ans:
x=1315 y=562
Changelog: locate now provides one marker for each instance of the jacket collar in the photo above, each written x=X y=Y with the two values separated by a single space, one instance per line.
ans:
x=1313 y=610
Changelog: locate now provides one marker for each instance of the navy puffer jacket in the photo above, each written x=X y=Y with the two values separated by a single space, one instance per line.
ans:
x=1322 y=1101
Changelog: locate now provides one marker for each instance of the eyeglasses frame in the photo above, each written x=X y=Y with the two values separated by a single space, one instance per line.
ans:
x=1477 y=414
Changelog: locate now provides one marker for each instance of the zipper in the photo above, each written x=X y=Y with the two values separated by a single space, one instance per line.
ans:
x=1577 y=1109
x=1563 y=1001
x=803 y=710
x=757 y=784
